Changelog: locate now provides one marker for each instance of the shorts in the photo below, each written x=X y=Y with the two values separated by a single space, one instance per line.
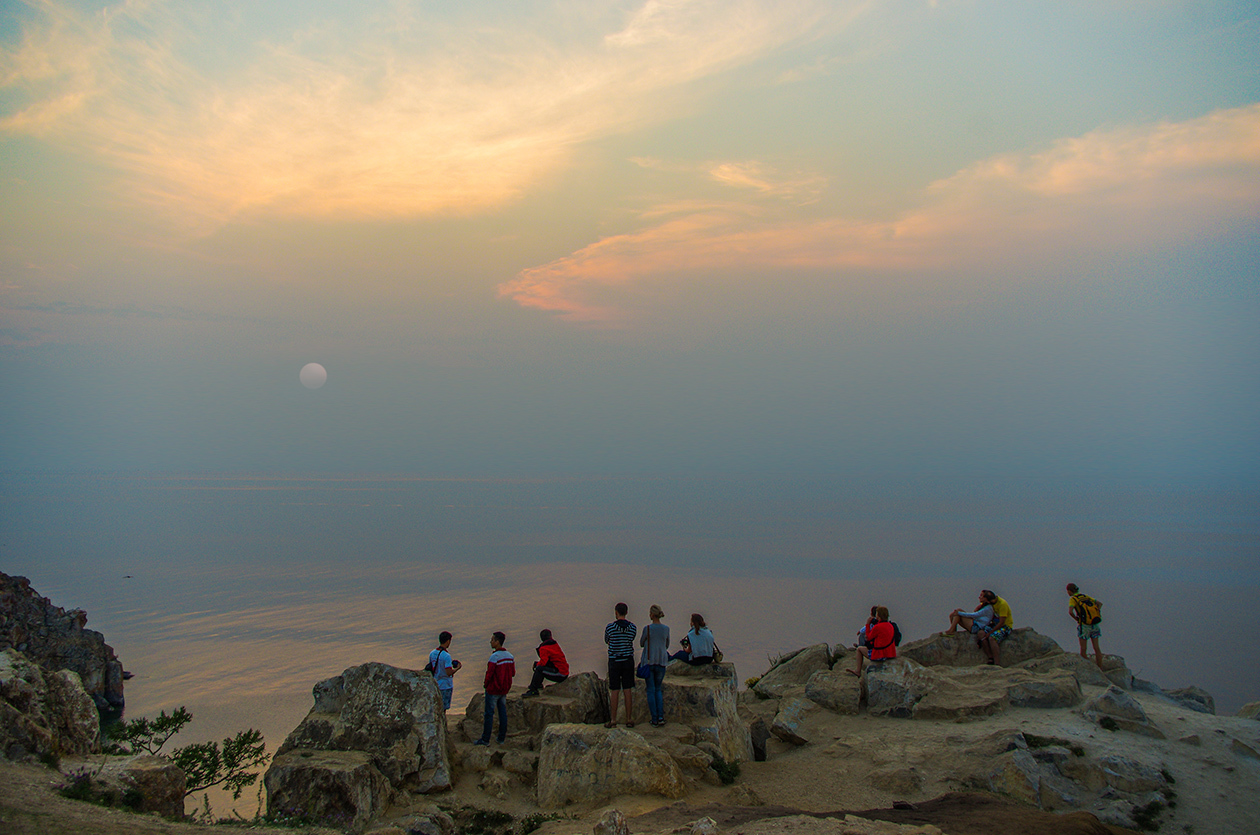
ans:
x=446 y=692
x=621 y=673
x=1001 y=634
x=1085 y=631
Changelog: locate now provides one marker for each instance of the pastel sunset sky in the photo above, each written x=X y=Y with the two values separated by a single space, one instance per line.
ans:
x=904 y=240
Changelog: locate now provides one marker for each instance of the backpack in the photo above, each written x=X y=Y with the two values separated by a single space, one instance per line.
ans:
x=1088 y=610
x=431 y=667
x=896 y=634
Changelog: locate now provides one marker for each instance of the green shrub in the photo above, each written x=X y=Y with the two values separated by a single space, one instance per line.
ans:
x=728 y=772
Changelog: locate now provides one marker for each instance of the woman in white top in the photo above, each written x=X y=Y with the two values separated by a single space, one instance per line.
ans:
x=655 y=643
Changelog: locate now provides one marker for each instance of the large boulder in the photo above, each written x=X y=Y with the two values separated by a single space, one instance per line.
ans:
x=1193 y=698
x=705 y=699
x=1251 y=710
x=44 y=713
x=56 y=639
x=788 y=721
x=960 y=650
x=339 y=788
x=374 y=729
x=589 y=763
x=835 y=690
x=793 y=670
x=155 y=783
x=1085 y=670
x=903 y=688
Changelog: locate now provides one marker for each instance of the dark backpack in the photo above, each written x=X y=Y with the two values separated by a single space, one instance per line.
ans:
x=431 y=667
x=896 y=634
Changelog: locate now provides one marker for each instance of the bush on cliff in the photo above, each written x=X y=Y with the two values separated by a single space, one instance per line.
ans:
x=205 y=764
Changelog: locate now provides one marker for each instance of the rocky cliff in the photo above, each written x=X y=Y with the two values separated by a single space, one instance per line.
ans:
x=57 y=639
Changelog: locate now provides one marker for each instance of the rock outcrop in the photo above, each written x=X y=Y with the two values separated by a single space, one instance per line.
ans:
x=57 y=639
x=904 y=688
x=590 y=763
x=44 y=713
x=959 y=649
x=374 y=730
x=793 y=670
x=582 y=698
x=1114 y=709
x=151 y=783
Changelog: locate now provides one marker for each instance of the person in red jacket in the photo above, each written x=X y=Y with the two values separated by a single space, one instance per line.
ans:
x=881 y=642
x=499 y=672
x=551 y=664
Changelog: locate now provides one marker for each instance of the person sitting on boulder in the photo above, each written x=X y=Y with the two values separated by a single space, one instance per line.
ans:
x=881 y=642
x=973 y=622
x=551 y=664
x=990 y=637
x=698 y=644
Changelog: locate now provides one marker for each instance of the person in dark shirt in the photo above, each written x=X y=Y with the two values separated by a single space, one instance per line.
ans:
x=619 y=635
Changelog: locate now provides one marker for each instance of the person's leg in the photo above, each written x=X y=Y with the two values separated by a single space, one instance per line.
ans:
x=535 y=683
x=552 y=674
x=995 y=650
x=1084 y=649
x=862 y=652
x=614 y=702
x=1097 y=652
x=502 y=702
x=656 y=693
x=446 y=698
x=487 y=724
x=628 y=694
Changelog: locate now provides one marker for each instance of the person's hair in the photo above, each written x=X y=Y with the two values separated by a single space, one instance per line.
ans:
x=988 y=595
x=500 y=637
x=656 y=612
x=443 y=637
x=545 y=635
x=874 y=610
x=1072 y=588
x=621 y=608
x=881 y=612
x=697 y=621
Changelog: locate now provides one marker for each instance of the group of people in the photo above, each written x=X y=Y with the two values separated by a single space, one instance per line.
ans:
x=991 y=623
x=698 y=647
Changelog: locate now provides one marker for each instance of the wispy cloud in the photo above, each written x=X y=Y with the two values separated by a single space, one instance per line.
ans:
x=407 y=115
x=1106 y=191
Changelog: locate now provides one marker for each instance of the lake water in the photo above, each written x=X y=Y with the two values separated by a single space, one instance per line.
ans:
x=233 y=595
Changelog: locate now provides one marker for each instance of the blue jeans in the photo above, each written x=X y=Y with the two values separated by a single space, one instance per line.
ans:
x=492 y=700
x=446 y=696
x=655 y=692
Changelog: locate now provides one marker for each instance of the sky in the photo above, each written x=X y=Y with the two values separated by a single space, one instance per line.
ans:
x=894 y=242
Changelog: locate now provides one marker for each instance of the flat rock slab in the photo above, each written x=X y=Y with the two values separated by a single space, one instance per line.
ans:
x=586 y=763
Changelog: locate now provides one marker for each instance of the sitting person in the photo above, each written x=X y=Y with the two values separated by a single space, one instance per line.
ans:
x=698 y=645
x=990 y=637
x=551 y=664
x=861 y=633
x=973 y=622
x=881 y=642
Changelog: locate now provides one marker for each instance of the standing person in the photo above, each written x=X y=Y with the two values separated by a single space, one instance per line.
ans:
x=444 y=668
x=551 y=664
x=655 y=643
x=499 y=672
x=619 y=635
x=1087 y=612
x=881 y=642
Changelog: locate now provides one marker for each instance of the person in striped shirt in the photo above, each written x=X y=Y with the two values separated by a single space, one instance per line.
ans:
x=619 y=635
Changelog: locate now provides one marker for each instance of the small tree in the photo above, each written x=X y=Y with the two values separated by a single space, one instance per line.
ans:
x=204 y=764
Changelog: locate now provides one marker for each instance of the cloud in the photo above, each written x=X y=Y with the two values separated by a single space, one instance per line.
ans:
x=391 y=113
x=1107 y=191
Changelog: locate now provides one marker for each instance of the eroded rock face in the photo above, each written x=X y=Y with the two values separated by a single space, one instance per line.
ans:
x=591 y=763
x=787 y=722
x=44 y=712
x=1251 y=710
x=705 y=698
x=793 y=670
x=582 y=698
x=1194 y=698
x=55 y=639
x=374 y=729
x=1117 y=710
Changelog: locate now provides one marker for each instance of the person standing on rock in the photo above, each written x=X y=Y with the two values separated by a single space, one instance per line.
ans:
x=1087 y=612
x=444 y=668
x=881 y=640
x=551 y=664
x=619 y=635
x=655 y=643
x=499 y=672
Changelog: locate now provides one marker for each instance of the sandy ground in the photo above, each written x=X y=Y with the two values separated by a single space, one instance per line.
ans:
x=851 y=763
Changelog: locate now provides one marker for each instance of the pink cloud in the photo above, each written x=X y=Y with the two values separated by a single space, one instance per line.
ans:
x=1106 y=191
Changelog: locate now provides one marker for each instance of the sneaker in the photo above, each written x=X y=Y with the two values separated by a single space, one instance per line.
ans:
x=529 y=694
x=482 y=742
x=501 y=741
